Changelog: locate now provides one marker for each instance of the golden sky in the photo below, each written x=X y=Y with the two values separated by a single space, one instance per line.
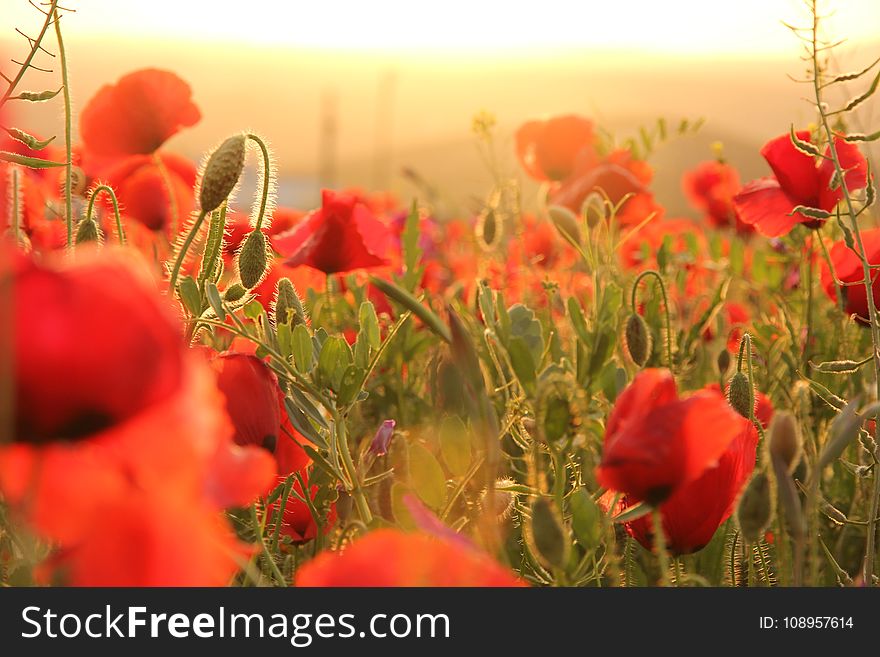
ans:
x=460 y=26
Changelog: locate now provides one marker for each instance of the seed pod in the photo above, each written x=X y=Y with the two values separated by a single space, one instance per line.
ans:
x=755 y=508
x=252 y=259
x=566 y=222
x=546 y=535
x=222 y=172
x=723 y=362
x=234 y=292
x=288 y=306
x=637 y=339
x=785 y=440
x=88 y=231
x=741 y=395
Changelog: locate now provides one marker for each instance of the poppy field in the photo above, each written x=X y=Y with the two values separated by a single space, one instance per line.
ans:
x=581 y=389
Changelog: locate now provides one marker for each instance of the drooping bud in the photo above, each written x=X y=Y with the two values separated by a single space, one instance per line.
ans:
x=88 y=231
x=382 y=439
x=785 y=440
x=288 y=306
x=566 y=222
x=755 y=508
x=637 y=339
x=723 y=362
x=741 y=395
x=252 y=259
x=222 y=172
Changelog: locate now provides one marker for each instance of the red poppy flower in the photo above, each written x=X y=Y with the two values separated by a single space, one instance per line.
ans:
x=142 y=188
x=297 y=522
x=693 y=513
x=656 y=442
x=848 y=269
x=767 y=203
x=710 y=187
x=138 y=114
x=251 y=392
x=116 y=424
x=341 y=236
x=388 y=557
x=548 y=150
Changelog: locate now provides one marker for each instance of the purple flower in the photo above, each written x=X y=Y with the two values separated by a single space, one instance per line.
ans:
x=382 y=439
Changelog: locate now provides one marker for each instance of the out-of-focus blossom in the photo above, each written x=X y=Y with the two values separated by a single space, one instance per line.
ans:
x=710 y=187
x=549 y=150
x=848 y=269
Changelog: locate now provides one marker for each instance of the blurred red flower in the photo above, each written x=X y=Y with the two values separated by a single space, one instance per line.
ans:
x=710 y=187
x=767 y=203
x=251 y=392
x=548 y=150
x=388 y=557
x=115 y=423
x=848 y=269
x=656 y=442
x=297 y=521
x=340 y=236
x=138 y=114
x=693 y=513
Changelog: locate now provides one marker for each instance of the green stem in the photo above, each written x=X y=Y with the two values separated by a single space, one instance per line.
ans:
x=667 y=316
x=837 y=289
x=181 y=254
x=16 y=210
x=105 y=189
x=868 y=570
x=68 y=120
x=258 y=530
x=660 y=547
x=809 y=310
x=267 y=178
x=357 y=490
x=212 y=248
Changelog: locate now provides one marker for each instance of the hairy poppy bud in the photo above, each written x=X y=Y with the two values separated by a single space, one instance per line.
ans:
x=740 y=395
x=234 y=292
x=755 y=508
x=547 y=536
x=222 y=172
x=637 y=339
x=566 y=222
x=288 y=306
x=87 y=231
x=252 y=259
x=723 y=362
x=785 y=440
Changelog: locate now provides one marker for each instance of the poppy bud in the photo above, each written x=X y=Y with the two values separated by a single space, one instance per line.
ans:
x=566 y=222
x=637 y=339
x=740 y=395
x=785 y=440
x=547 y=536
x=252 y=260
x=755 y=508
x=288 y=306
x=723 y=362
x=87 y=231
x=234 y=292
x=222 y=172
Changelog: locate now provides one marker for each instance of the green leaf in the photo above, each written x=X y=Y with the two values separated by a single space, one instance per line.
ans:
x=302 y=424
x=523 y=363
x=285 y=339
x=31 y=162
x=455 y=445
x=302 y=348
x=351 y=384
x=576 y=316
x=547 y=533
x=216 y=302
x=29 y=140
x=333 y=360
x=633 y=513
x=369 y=324
x=409 y=241
x=253 y=310
x=189 y=294
x=408 y=301
x=399 y=510
x=523 y=324
x=426 y=476
x=586 y=519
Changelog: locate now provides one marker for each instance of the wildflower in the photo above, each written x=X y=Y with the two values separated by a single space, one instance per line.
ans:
x=848 y=269
x=767 y=203
x=710 y=187
x=389 y=557
x=297 y=521
x=656 y=442
x=548 y=150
